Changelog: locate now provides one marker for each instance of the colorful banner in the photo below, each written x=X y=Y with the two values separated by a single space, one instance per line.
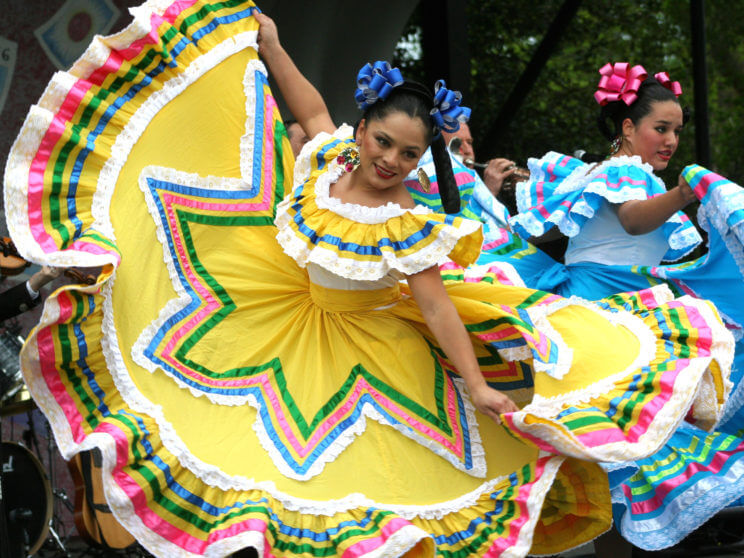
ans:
x=67 y=34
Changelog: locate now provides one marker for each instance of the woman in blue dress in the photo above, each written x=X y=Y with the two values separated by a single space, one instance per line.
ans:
x=622 y=222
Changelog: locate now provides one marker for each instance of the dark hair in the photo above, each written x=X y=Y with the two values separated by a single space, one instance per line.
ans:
x=416 y=101
x=411 y=98
x=615 y=112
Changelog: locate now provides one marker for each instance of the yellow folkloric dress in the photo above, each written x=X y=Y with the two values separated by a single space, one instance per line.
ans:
x=240 y=399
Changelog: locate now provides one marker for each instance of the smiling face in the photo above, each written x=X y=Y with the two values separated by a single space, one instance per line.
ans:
x=656 y=136
x=389 y=148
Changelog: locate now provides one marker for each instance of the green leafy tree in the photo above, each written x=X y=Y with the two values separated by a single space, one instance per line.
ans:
x=559 y=113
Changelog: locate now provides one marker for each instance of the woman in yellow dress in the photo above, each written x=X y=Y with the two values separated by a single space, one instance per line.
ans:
x=322 y=375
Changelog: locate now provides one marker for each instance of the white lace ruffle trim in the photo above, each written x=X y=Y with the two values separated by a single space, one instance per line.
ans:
x=725 y=200
x=434 y=253
x=41 y=116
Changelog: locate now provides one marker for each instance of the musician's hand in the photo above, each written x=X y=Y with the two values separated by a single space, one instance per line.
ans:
x=268 y=35
x=45 y=275
x=496 y=171
x=491 y=402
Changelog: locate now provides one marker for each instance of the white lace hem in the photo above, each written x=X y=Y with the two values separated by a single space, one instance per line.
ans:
x=696 y=389
x=687 y=511
x=37 y=122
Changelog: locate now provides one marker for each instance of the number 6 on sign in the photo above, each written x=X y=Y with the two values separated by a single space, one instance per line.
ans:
x=8 y=50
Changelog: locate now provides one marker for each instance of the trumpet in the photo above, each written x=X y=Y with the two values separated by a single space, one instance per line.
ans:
x=454 y=146
x=518 y=175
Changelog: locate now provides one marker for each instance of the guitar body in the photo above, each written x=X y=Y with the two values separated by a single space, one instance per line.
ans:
x=93 y=518
x=11 y=262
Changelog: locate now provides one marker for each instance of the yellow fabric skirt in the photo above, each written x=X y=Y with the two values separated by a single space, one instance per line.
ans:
x=235 y=404
x=308 y=421
x=339 y=414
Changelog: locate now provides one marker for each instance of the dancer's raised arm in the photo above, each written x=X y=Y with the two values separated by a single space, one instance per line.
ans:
x=303 y=100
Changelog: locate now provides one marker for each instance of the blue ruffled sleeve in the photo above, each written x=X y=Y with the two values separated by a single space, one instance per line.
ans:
x=566 y=192
x=721 y=206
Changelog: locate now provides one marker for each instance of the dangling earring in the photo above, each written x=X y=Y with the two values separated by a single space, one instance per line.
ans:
x=615 y=145
x=349 y=158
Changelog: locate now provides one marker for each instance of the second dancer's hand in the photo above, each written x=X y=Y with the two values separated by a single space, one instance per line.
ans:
x=492 y=402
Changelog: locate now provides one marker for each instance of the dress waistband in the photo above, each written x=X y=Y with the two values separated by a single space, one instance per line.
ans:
x=340 y=300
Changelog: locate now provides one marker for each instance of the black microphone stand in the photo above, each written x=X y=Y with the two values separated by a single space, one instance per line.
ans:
x=4 y=535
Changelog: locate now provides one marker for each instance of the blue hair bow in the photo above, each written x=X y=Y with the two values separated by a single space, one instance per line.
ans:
x=376 y=82
x=447 y=113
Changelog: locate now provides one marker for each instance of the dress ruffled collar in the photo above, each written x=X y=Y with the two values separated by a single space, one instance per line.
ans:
x=359 y=242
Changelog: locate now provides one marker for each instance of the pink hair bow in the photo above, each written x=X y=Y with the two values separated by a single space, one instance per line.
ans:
x=674 y=86
x=619 y=82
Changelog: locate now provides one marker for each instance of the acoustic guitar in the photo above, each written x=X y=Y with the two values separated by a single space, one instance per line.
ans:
x=93 y=518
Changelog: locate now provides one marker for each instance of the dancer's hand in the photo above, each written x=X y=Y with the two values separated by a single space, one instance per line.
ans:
x=301 y=97
x=491 y=402
x=688 y=194
x=268 y=35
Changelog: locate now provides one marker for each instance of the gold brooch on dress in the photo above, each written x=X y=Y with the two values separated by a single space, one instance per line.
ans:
x=423 y=179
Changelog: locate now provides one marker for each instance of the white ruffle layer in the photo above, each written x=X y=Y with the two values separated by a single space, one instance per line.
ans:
x=697 y=389
x=435 y=253
x=584 y=178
